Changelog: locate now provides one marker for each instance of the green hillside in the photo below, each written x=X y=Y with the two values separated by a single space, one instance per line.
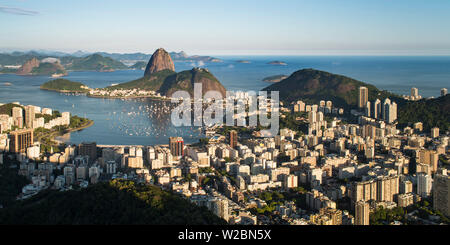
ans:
x=152 y=82
x=8 y=70
x=48 y=69
x=185 y=80
x=166 y=82
x=140 y=65
x=64 y=85
x=111 y=203
x=314 y=85
x=18 y=59
x=431 y=112
x=7 y=108
x=93 y=62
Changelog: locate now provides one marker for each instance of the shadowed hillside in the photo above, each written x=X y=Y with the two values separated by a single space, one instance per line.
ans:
x=112 y=203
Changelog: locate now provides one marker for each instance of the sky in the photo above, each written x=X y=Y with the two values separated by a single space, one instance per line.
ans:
x=231 y=27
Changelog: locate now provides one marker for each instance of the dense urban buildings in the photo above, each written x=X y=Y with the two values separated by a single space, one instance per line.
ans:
x=339 y=173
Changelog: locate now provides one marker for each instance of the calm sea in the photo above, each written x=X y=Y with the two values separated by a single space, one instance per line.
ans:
x=147 y=122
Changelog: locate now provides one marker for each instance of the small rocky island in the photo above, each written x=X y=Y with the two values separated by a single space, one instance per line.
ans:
x=276 y=62
x=275 y=79
x=243 y=61
x=65 y=86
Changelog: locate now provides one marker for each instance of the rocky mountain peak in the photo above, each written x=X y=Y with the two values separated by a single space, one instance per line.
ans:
x=28 y=66
x=159 y=61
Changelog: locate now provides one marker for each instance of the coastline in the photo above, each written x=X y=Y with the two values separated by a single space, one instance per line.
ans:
x=51 y=136
x=63 y=91
x=108 y=97
x=128 y=97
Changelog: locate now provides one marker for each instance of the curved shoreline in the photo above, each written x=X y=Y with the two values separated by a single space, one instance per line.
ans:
x=52 y=135
x=107 y=97
x=127 y=97
x=64 y=91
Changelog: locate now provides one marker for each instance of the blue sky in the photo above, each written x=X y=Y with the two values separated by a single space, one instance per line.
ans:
x=373 y=27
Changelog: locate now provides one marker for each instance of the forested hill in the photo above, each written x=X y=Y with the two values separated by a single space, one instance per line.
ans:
x=431 y=112
x=314 y=85
x=111 y=203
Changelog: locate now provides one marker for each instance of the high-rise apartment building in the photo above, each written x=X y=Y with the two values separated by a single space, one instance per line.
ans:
x=435 y=132
x=362 y=210
x=428 y=157
x=389 y=111
x=363 y=97
x=312 y=117
x=299 y=106
x=20 y=140
x=220 y=208
x=406 y=186
x=441 y=193
x=17 y=115
x=176 y=145
x=363 y=191
x=377 y=112
x=233 y=138
x=414 y=93
x=367 y=109
x=88 y=149
x=29 y=116
x=424 y=184
x=335 y=215
x=387 y=188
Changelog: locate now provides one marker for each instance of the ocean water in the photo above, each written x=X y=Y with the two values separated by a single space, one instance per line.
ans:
x=139 y=122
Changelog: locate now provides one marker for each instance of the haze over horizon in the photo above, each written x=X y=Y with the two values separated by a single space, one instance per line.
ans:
x=327 y=27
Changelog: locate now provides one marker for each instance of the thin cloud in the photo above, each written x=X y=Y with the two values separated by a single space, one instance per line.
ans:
x=17 y=11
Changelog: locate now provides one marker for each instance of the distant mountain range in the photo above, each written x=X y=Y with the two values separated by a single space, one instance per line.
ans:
x=19 y=58
x=43 y=67
x=94 y=62
x=46 y=65
x=177 y=57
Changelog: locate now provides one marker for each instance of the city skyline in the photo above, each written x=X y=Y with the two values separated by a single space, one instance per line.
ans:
x=278 y=113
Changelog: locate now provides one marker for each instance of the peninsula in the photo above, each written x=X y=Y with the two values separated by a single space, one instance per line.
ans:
x=275 y=79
